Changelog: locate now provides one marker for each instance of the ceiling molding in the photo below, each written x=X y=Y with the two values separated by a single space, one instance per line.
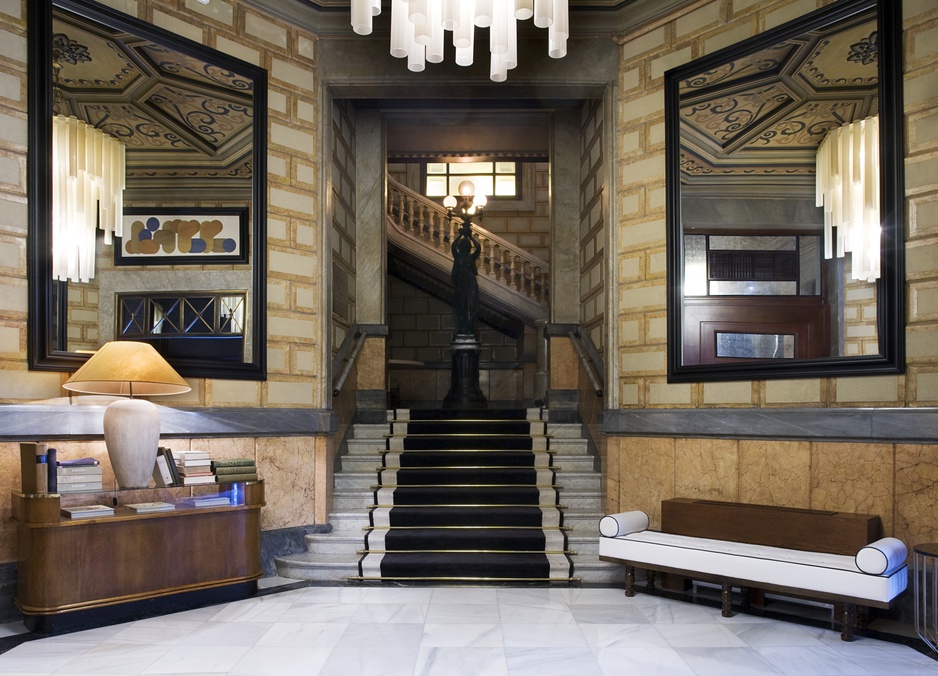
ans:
x=588 y=18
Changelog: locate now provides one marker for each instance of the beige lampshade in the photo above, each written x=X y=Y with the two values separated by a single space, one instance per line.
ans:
x=127 y=368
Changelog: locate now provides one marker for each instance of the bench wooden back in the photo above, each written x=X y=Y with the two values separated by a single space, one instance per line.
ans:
x=789 y=527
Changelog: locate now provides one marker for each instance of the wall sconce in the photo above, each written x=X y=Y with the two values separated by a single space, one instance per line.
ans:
x=847 y=186
x=131 y=426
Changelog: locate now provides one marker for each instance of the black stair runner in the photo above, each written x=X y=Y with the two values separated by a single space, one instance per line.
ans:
x=466 y=498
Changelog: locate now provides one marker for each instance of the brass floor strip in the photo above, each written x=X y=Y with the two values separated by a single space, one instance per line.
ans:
x=455 y=467
x=465 y=551
x=376 y=487
x=389 y=528
x=362 y=578
x=383 y=506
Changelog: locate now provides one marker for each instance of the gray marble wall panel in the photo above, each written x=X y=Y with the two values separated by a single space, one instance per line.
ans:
x=889 y=425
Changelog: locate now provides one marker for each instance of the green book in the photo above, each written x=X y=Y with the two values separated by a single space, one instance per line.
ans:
x=233 y=478
x=233 y=462
x=239 y=469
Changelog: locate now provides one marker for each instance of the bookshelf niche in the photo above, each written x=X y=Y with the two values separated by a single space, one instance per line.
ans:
x=156 y=550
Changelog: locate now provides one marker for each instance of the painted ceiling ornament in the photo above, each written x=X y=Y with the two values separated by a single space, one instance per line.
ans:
x=866 y=51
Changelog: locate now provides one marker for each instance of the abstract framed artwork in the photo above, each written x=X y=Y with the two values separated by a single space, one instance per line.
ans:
x=180 y=236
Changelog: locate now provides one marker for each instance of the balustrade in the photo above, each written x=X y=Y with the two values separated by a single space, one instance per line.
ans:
x=425 y=221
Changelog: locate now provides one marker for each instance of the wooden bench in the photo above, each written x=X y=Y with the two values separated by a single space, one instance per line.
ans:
x=830 y=556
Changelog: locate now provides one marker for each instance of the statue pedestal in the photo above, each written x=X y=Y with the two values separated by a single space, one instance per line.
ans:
x=464 y=392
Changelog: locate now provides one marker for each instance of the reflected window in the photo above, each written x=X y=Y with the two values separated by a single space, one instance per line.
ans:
x=755 y=345
x=492 y=179
x=752 y=265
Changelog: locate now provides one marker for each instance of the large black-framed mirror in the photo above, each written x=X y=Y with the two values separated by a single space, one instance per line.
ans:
x=187 y=274
x=750 y=292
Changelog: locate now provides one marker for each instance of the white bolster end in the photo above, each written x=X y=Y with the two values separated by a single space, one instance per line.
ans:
x=882 y=557
x=614 y=525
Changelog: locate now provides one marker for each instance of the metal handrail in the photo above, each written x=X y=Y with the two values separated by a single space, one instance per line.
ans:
x=581 y=344
x=352 y=345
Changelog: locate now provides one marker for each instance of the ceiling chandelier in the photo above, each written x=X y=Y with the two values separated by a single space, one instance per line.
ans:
x=418 y=27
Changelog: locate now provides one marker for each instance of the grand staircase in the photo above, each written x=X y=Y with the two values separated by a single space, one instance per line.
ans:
x=409 y=496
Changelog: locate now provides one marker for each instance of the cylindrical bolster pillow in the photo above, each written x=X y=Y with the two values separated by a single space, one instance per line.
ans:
x=882 y=557
x=614 y=525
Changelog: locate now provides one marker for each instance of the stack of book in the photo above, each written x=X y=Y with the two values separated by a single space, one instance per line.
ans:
x=79 y=475
x=235 y=469
x=194 y=467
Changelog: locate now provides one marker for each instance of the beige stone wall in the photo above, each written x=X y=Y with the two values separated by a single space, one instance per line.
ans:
x=343 y=222
x=592 y=223
x=295 y=468
x=895 y=481
x=295 y=324
x=640 y=229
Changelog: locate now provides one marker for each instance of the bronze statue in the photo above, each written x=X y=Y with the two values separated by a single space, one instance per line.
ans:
x=466 y=250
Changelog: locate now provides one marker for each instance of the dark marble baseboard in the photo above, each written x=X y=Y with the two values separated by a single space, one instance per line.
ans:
x=864 y=425
x=59 y=421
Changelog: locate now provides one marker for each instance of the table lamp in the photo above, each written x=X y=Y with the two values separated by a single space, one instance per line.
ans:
x=131 y=426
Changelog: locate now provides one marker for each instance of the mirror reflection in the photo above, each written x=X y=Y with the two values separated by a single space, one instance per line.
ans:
x=155 y=221
x=775 y=200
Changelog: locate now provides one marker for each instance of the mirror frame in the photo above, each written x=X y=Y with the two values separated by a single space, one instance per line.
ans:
x=891 y=296
x=40 y=353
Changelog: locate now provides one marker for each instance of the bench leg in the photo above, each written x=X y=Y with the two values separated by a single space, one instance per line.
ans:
x=726 y=597
x=847 y=621
x=650 y=577
x=630 y=581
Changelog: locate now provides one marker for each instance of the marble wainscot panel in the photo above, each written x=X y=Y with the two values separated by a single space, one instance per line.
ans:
x=288 y=465
x=854 y=478
x=775 y=472
x=647 y=475
x=916 y=493
x=706 y=468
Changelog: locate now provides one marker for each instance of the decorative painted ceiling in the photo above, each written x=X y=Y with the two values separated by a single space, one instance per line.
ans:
x=178 y=116
x=759 y=119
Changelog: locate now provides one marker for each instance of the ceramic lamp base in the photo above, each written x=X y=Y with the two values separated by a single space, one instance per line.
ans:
x=132 y=436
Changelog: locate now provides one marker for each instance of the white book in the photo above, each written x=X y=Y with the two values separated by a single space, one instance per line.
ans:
x=208 y=501
x=142 y=507
x=191 y=455
x=85 y=511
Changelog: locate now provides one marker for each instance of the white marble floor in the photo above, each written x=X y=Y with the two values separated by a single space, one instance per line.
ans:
x=347 y=631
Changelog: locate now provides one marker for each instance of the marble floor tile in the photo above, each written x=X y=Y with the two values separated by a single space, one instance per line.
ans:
x=451 y=631
x=722 y=661
x=450 y=635
x=441 y=661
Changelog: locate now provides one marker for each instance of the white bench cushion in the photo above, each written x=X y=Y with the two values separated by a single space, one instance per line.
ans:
x=810 y=571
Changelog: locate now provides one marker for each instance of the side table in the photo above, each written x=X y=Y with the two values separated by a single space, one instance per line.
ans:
x=925 y=572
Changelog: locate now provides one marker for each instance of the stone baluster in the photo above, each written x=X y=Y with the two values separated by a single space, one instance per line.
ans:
x=514 y=278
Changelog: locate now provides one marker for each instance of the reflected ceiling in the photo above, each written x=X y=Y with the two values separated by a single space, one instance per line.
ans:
x=178 y=116
x=762 y=117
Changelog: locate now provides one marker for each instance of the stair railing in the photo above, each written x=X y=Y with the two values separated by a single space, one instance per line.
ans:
x=589 y=357
x=501 y=261
x=347 y=353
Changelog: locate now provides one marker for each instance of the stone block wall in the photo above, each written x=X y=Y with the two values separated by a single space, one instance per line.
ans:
x=295 y=280
x=894 y=480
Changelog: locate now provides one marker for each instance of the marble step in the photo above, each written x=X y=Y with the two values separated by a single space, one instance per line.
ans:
x=573 y=499
x=335 y=544
x=344 y=501
x=318 y=567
